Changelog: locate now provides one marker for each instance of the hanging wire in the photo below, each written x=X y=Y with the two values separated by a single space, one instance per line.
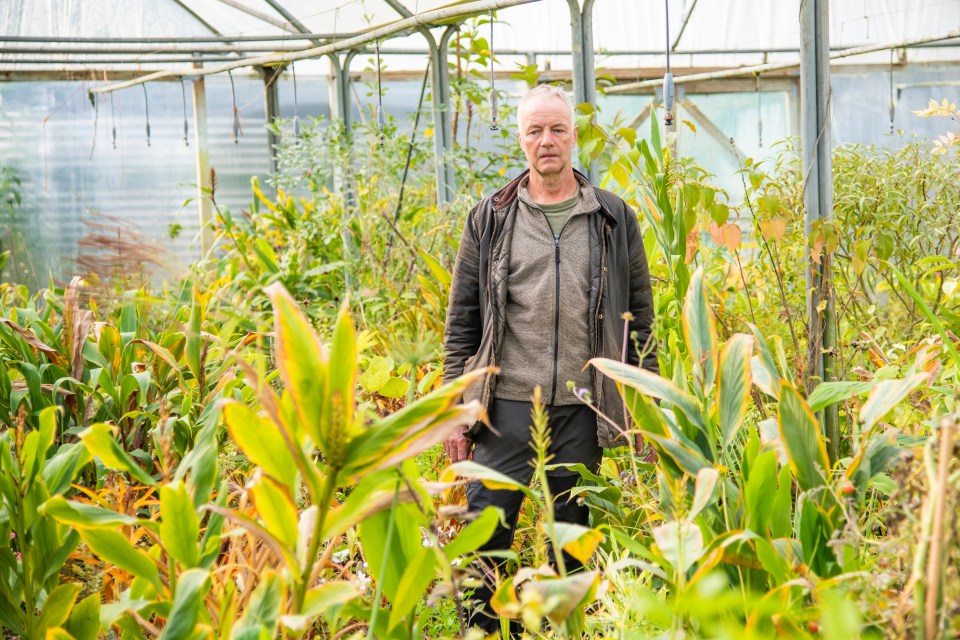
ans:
x=186 y=128
x=380 y=120
x=667 y=77
x=296 y=116
x=113 y=122
x=759 y=112
x=413 y=137
x=893 y=105
x=146 y=109
x=236 y=112
x=494 y=105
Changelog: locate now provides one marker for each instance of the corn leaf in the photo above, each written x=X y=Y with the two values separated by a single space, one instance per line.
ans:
x=79 y=514
x=577 y=540
x=652 y=385
x=828 y=393
x=57 y=606
x=84 y=620
x=733 y=392
x=260 y=439
x=113 y=547
x=886 y=395
x=179 y=527
x=192 y=587
x=302 y=361
x=413 y=429
x=800 y=434
x=472 y=536
x=276 y=507
x=98 y=439
x=417 y=576
x=700 y=331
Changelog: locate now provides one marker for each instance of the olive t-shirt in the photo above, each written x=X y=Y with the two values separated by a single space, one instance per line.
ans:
x=558 y=213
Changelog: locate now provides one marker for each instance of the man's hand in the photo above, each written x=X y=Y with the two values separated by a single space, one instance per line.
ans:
x=457 y=447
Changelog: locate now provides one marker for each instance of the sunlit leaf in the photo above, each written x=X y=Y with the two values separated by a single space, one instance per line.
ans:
x=79 y=514
x=700 y=331
x=577 y=540
x=261 y=441
x=652 y=385
x=192 y=587
x=98 y=439
x=179 y=527
x=733 y=394
x=802 y=441
x=276 y=507
x=113 y=547
x=886 y=395
x=703 y=490
x=680 y=543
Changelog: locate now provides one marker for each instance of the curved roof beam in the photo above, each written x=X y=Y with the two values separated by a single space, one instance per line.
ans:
x=421 y=19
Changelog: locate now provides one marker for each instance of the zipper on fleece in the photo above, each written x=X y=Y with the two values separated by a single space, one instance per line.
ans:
x=556 y=319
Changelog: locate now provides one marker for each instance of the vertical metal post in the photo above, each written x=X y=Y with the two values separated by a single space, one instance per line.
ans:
x=586 y=50
x=442 y=118
x=271 y=110
x=203 y=164
x=340 y=110
x=818 y=200
x=339 y=88
x=582 y=58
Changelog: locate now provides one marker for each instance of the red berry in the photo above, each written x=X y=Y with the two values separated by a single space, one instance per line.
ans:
x=848 y=488
x=813 y=627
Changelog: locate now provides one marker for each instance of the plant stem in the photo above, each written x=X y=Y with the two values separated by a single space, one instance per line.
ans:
x=326 y=497
x=378 y=594
x=934 y=559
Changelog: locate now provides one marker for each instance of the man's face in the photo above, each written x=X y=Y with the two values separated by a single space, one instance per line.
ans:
x=547 y=135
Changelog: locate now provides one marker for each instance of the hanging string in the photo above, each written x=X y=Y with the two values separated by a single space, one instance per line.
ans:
x=113 y=122
x=146 y=108
x=759 y=112
x=893 y=106
x=380 y=120
x=186 y=128
x=667 y=77
x=296 y=116
x=494 y=105
x=236 y=112
x=413 y=137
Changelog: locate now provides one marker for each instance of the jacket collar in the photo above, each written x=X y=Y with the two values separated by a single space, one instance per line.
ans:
x=506 y=196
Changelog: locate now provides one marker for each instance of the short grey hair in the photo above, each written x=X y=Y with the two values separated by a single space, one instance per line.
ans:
x=547 y=90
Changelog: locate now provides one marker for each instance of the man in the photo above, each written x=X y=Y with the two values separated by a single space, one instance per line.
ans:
x=545 y=270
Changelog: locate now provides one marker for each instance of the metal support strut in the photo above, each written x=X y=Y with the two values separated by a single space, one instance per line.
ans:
x=818 y=202
x=584 y=72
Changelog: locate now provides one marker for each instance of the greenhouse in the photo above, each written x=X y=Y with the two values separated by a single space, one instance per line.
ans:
x=479 y=318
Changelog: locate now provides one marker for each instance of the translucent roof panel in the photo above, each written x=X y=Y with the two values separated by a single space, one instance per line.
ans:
x=753 y=31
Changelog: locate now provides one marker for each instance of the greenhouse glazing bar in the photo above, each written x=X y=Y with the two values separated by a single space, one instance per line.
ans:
x=777 y=66
x=422 y=19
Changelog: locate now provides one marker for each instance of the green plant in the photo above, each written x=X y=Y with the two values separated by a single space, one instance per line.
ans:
x=33 y=601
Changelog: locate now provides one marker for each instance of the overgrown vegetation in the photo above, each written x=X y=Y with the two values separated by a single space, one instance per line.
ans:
x=250 y=452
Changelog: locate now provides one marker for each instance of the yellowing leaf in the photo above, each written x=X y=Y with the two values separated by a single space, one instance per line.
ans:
x=773 y=230
x=732 y=236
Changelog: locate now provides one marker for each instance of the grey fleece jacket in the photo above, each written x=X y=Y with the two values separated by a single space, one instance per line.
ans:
x=619 y=282
x=546 y=340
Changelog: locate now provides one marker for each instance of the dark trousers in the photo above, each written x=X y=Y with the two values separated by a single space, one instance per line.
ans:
x=573 y=435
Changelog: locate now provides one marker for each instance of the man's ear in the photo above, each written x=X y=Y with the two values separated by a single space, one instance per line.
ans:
x=576 y=134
